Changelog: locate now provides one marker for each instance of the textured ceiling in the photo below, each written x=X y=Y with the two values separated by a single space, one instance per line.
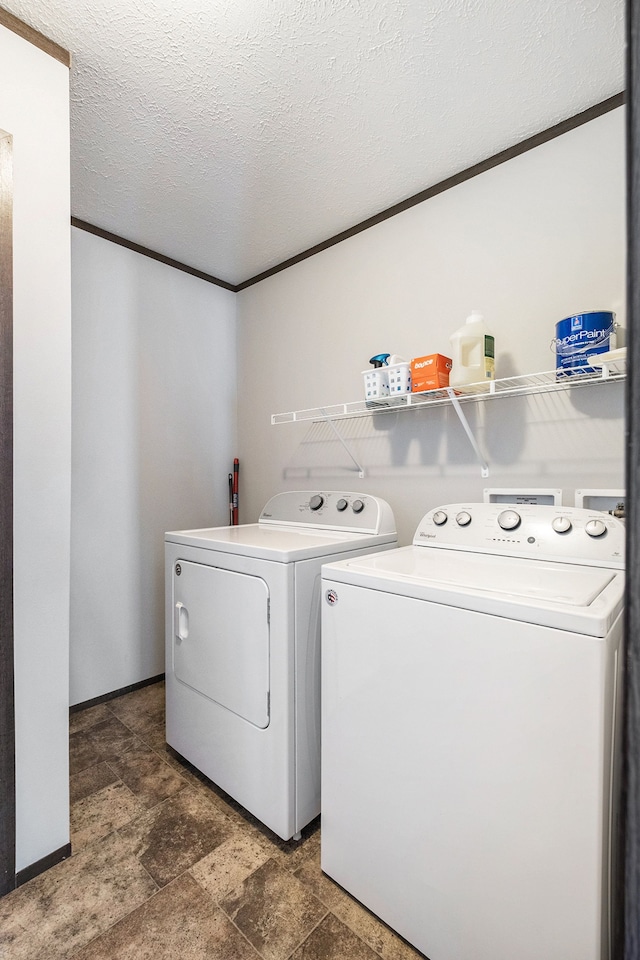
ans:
x=234 y=134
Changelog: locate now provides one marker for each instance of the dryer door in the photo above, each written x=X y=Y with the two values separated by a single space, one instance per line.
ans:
x=221 y=637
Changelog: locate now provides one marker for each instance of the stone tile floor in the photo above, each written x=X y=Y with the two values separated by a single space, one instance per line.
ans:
x=166 y=865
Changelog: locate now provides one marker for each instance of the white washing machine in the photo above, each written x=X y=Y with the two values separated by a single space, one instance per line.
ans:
x=470 y=724
x=243 y=646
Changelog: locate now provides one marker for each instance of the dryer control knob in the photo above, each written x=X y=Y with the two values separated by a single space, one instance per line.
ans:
x=463 y=519
x=316 y=501
x=595 y=528
x=341 y=504
x=561 y=524
x=509 y=519
x=439 y=518
x=357 y=506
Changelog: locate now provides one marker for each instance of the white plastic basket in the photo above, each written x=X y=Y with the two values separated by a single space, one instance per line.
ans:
x=399 y=378
x=376 y=383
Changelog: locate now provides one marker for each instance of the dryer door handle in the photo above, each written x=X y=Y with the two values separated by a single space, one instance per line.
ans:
x=181 y=621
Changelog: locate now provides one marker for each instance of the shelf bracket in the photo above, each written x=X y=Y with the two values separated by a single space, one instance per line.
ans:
x=328 y=420
x=484 y=467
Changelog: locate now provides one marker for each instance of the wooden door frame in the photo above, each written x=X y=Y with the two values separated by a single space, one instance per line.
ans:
x=627 y=944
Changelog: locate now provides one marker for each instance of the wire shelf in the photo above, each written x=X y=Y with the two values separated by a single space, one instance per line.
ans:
x=547 y=382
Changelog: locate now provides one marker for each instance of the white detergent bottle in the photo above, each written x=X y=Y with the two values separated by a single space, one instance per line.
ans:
x=472 y=353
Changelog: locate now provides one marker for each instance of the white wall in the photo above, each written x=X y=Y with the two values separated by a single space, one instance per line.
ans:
x=154 y=397
x=528 y=243
x=34 y=109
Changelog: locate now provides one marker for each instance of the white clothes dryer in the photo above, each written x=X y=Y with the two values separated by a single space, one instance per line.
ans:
x=243 y=646
x=470 y=731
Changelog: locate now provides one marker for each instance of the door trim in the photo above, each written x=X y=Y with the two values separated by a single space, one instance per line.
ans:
x=627 y=938
x=7 y=705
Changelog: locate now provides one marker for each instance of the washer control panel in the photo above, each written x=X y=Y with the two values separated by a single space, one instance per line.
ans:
x=566 y=534
x=330 y=510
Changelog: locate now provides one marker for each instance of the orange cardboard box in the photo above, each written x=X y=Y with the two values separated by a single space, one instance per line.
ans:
x=430 y=373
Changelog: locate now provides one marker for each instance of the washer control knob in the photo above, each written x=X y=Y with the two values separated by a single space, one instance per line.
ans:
x=341 y=504
x=561 y=524
x=357 y=506
x=439 y=518
x=509 y=519
x=463 y=519
x=595 y=528
x=316 y=501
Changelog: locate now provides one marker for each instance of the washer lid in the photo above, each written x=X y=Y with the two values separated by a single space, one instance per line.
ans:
x=582 y=599
x=283 y=544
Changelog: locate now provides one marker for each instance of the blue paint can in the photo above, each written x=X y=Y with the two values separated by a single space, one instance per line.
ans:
x=580 y=337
